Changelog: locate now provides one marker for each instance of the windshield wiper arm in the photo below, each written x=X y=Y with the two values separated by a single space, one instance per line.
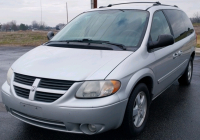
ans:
x=116 y=44
x=105 y=42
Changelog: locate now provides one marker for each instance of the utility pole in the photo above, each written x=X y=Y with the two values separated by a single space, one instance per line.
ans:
x=67 y=11
x=93 y=4
x=41 y=10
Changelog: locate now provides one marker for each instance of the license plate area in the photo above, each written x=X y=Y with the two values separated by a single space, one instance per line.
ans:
x=31 y=110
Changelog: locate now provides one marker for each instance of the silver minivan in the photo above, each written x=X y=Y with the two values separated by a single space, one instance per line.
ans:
x=103 y=69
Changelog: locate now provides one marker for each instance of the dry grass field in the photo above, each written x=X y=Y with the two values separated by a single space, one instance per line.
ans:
x=198 y=41
x=36 y=38
x=197 y=30
x=23 y=38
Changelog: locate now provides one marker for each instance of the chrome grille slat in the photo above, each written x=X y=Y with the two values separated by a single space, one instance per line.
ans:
x=49 y=95
x=50 y=87
x=20 y=79
x=49 y=84
x=55 y=84
x=41 y=96
x=22 y=92
x=22 y=82
x=23 y=79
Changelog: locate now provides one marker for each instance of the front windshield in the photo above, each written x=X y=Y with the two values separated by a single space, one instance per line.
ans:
x=117 y=26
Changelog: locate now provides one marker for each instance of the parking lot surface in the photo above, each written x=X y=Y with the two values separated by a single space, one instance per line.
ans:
x=173 y=115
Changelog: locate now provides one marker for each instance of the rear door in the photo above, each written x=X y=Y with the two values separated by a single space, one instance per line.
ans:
x=182 y=28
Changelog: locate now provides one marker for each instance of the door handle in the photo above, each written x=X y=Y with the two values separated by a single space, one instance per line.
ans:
x=175 y=55
x=180 y=53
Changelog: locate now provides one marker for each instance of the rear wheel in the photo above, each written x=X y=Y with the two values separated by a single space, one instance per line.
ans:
x=186 y=78
x=137 y=111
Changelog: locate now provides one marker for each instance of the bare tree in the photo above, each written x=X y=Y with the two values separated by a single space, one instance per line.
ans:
x=35 y=24
x=13 y=25
x=42 y=26
x=196 y=18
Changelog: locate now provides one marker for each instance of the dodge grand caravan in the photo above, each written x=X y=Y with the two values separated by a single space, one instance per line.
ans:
x=103 y=69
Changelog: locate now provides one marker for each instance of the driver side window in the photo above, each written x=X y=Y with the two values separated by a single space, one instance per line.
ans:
x=159 y=26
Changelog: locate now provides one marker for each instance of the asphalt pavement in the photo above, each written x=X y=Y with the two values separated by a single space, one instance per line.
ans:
x=173 y=115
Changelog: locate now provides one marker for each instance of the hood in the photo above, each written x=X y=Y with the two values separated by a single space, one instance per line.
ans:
x=68 y=63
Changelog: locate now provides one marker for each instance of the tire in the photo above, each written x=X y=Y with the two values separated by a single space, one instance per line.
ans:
x=186 y=78
x=131 y=125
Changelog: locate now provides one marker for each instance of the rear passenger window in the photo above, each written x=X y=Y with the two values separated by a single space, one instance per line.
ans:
x=177 y=24
x=188 y=24
x=159 y=26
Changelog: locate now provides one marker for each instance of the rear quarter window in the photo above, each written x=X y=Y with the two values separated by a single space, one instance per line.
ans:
x=188 y=24
x=175 y=18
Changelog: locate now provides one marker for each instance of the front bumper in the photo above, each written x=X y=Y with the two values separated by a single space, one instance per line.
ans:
x=60 y=116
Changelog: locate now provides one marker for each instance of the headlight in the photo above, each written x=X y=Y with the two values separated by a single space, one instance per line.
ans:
x=95 y=89
x=9 y=76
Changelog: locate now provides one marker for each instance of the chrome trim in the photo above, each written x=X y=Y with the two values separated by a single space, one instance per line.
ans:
x=40 y=89
x=170 y=73
x=33 y=89
x=21 y=85
x=51 y=91
x=37 y=119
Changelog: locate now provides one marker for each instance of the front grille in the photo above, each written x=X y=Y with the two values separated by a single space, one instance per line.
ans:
x=23 y=79
x=46 y=97
x=55 y=84
x=22 y=92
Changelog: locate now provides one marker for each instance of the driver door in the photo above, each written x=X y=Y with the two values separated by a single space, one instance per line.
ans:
x=165 y=65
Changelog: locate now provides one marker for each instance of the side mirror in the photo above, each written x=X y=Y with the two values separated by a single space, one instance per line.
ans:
x=163 y=41
x=50 y=35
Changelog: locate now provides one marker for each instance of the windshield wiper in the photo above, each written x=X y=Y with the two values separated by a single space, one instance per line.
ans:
x=95 y=41
x=105 y=42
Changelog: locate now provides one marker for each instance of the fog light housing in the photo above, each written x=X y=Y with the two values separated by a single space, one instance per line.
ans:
x=92 y=127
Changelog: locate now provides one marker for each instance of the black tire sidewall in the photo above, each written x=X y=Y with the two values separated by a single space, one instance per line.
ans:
x=128 y=124
x=183 y=80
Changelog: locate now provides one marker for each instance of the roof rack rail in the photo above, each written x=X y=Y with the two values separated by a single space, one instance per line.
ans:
x=110 y=5
x=154 y=4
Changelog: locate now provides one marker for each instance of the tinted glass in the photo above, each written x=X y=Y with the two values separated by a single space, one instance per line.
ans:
x=159 y=26
x=188 y=24
x=176 y=21
x=116 y=26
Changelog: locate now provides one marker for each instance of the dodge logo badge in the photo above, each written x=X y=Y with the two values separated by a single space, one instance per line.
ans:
x=33 y=89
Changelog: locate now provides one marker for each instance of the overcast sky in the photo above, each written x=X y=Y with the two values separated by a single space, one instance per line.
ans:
x=54 y=11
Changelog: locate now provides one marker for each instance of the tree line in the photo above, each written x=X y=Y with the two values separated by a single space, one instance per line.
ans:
x=13 y=26
x=196 y=18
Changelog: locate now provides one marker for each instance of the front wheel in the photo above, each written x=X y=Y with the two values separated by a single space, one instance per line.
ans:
x=186 y=78
x=137 y=111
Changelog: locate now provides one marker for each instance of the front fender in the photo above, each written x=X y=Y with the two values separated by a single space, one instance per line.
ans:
x=134 y=79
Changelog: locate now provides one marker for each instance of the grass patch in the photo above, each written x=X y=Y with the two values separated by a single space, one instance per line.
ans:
x=198 y=41
x=23 y=38
x=196 y=24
